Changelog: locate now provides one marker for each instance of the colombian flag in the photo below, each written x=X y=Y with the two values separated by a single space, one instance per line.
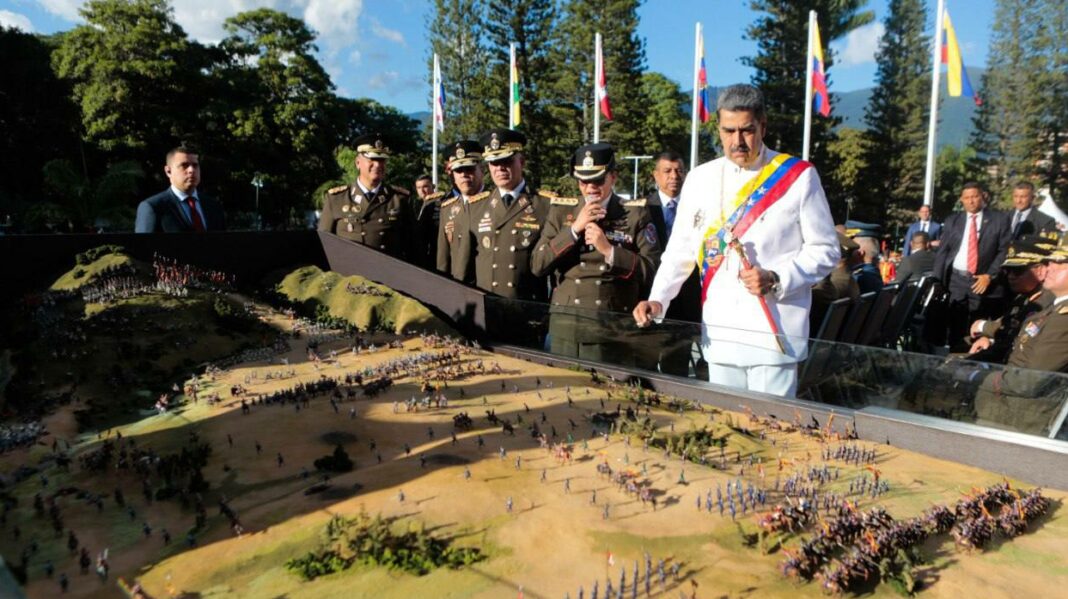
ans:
x=819 y=76
x=704 y=101
x=956 y=75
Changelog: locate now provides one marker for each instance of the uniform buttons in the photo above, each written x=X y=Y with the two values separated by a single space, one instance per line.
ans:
x=362 y=233
x=494 y=284
x=496 y=248
x=511 y=248
x=598 y=302
x=513 y=231
x=576 y=301
x=497 y=232
x=582 y=264
x=603 y=267
x=598 y=282
x=379 y=220
x=510 y=284
x=511 y=267
x=381 y=247
x=494 y=266
x=577 y=281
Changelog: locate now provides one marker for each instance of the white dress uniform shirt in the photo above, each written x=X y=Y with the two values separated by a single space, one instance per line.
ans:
x=795 y=238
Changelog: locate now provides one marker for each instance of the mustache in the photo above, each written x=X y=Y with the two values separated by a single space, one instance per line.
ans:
x=740 y=148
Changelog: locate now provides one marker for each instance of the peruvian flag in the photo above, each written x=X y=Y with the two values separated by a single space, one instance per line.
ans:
x=602 y=84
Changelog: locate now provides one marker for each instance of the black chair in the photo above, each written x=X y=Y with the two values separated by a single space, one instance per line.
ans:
x=834 y=319
x=857 y=317
x=901 y=313
x=873 y=326
x=821 y=350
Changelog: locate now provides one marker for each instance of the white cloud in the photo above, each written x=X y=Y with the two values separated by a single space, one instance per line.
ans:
x=67 y=9
x=16 y=21
x=386 y=33
x=860 y=45
x=335 y=20
x=383 y=80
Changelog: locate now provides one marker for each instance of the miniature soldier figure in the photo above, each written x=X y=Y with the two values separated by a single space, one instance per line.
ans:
x=603 y=252
x=369 y=211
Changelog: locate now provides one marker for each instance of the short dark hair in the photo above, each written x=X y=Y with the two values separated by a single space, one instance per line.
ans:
x=1029 y=186
x=973 y=185
x=669 y=155
x=922 y=236
x=742 y=97
x=181 y=149
x=423 y=177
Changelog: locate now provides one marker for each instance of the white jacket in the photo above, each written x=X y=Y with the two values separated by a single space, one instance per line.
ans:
x=795 y=238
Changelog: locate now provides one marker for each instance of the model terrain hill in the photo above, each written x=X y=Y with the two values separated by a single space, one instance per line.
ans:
x=324 y=436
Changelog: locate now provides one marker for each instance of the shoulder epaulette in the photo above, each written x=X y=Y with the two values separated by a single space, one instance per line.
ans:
x=338 y=189
x=548 y=194
x=634 y=203
x=450 y=201
x=559 y=201
x=401 y=190
x=434 y=196
x=478 y=197
x=1063 y=310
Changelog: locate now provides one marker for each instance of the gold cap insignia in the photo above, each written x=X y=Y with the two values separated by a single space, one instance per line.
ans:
x=587 y=162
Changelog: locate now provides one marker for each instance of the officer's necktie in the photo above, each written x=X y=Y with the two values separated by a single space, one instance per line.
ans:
x=508 y=200
x=194 y=215
x=973 y=244
x=1015 y=222
x=669 y=215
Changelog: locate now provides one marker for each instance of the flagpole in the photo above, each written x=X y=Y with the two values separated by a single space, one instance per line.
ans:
x=511 y=86
x=434 y=127
x=693 y=111
x=808 y=86
x=932 y=128
x=598 y=65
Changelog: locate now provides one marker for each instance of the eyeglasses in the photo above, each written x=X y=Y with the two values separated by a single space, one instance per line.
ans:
x=599 y=181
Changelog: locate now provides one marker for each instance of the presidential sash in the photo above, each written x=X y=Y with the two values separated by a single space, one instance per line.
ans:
x=753 y=199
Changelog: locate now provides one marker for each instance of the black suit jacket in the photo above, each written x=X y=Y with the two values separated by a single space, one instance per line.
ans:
x=995 y=235
x=687 y=304
x=915 y=265
x=161 y=214
x=1036 y=222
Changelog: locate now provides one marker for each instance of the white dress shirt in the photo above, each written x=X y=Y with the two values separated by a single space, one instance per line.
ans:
x=960 y=260
x=185 y=206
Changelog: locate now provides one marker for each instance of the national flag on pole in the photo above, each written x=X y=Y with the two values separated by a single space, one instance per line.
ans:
x=819 y=76
x=956 y=74
x=514 y=92
x=704 y=99
x=439 y=97
x=602 y=84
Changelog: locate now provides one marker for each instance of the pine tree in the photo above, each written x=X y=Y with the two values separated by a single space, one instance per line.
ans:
x=782 y=39
x=457 y=34
x=1007 y=125
x=897 y=116
x=1051 y=44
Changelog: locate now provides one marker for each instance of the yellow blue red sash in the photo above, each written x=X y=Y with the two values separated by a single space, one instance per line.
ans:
x=753 y=199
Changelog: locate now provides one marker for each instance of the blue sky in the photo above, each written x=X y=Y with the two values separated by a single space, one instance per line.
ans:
x=377 y=48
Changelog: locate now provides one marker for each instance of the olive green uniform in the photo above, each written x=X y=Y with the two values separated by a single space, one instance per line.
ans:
x=587 y=283
x=504 y=237
x=455 y=241
x=1022 y=400
x=1003 y=331
x=381 y=222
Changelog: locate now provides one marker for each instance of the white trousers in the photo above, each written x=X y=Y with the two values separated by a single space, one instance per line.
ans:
x=775 y=379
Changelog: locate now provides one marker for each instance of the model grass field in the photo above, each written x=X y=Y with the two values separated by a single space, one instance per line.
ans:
x=444 y=502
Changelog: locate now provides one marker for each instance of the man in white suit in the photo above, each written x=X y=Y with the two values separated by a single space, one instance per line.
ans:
x=773 y=207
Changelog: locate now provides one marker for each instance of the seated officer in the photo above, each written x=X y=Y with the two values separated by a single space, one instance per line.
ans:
x=369 y=211
x=1023 y=400
x=602 y=252
x=866 y=259
x=1025 y=272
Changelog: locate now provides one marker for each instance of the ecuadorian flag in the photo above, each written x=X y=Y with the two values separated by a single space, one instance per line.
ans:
x=819 y=76
x=956 y=74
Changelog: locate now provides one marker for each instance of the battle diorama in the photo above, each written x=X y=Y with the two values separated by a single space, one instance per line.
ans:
x=170 y=431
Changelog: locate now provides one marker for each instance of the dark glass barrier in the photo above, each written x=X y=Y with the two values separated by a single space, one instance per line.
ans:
x=839 y=374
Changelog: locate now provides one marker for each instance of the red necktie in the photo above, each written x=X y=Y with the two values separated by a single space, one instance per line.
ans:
x=194 y=214
x=973 y=245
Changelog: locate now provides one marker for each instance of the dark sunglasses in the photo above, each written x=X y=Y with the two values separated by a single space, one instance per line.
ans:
x=599 y=181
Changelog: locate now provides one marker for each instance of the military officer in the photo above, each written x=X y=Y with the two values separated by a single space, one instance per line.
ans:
x=454 y=247
x=1017 y=397
x=369 y=211
x=507 y=222
x=603 y=252
x=425 y=208
x=1024 y=272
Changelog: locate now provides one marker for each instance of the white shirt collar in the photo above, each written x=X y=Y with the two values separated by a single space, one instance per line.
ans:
x=515 y=192
x=365 y=190
x=666 y=200
x=183 y=195
x=1060 y=299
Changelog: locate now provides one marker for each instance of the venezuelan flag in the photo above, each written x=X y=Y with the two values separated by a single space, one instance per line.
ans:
x=819 y=76
x=956 y=74
x=704 y=100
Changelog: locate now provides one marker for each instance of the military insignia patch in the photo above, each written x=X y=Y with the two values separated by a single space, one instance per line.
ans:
x=345 y=208
x=495 y=144
x=1032 y=329
x=587 y=161
x=699 y=219
x=650 y=234
x=460 y=152
x=486 y=242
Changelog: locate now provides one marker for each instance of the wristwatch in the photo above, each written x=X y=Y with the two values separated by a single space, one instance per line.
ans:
x=776 y=286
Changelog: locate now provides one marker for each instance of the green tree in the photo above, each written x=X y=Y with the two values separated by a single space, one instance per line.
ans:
x=1051 y=44
x=134 y=76
x=86 y=204
x=1007 y=125
x=279 y=110
x=955 y=167
x=530 y=25
x=781 y=34
x=897 y=116
x=457 y=34
x=849 y=153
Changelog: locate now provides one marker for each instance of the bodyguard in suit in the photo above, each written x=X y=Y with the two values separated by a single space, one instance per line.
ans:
x=1026 y=220
x=180 y=208
x=974 y=244
x=369 y=211
x=924 y=225
x=455 y=247
x=602 y=252
x=506 y=223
